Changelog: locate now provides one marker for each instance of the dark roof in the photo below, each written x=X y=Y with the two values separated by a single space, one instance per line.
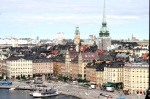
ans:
x=17 y=58
x=42 y=60
x=97 y=66
x=104 y=57
x=117 y=64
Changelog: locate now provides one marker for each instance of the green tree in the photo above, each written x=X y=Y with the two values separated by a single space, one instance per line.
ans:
x=18 y=77
x=23 y=77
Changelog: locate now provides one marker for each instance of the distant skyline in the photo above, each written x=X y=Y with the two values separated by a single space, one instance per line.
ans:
x=45 y=18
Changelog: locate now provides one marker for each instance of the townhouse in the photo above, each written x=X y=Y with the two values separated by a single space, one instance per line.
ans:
x=83 y=59
x=43 y=67
x=113 y=74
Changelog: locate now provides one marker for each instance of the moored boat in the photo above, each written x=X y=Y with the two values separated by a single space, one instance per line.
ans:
x=12 y=89
x=44 y=93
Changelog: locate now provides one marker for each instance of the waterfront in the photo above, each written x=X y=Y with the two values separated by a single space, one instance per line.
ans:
x=62 y=87
x=24 y=94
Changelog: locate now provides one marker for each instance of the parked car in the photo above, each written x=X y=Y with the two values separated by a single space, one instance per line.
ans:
x=110 y=89
x=106 y=95
x=38 y=82
x=28 y=82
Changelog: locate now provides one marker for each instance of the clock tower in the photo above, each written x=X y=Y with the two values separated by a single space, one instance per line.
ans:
x=77 y=36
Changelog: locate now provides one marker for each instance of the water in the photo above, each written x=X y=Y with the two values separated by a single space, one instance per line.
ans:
x=24 y=94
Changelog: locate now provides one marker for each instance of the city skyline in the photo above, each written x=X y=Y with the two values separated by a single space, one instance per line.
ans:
x=45 y=18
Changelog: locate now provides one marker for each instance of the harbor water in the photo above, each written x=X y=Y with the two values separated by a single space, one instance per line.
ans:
x=24 y=94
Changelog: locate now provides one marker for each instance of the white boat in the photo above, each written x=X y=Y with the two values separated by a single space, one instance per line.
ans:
x=31 y=93
x=44 y=93
x=12 y=89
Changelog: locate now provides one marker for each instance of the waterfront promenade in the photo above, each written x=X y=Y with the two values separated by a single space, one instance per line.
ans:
x=76 y=90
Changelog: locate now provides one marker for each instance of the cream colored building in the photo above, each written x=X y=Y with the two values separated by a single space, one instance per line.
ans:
x=99 y=77
x=140 y=51
x=113 y=72
x=18 y=66
x=136 y=77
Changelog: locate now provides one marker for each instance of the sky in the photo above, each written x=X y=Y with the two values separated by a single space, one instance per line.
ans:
x=45 y=18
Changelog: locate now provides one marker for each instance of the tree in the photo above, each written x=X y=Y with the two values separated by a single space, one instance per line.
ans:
x=23 y=77
x=18 y=77
x=1 y=77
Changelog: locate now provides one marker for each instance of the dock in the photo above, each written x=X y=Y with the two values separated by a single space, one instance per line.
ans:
x=17 y=87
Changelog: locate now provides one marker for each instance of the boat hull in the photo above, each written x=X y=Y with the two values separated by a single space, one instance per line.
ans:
x=40 y=95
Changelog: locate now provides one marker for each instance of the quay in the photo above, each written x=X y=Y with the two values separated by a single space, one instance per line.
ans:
x=73 y=90
x=17 y=87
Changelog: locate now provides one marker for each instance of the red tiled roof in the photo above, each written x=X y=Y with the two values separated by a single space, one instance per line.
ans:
x=99 y=51
x=54 y=51
x=83 y=47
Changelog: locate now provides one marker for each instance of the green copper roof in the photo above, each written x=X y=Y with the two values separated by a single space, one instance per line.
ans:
x=77 y=30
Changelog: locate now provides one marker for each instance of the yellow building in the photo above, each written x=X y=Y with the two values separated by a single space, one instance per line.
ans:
x=16 y=66
x=94 y=72
x=136 y=77
x=113 y=74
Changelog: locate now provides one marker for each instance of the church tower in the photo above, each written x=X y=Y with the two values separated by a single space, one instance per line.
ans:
x=104 y=41
x=104 y=32
x=77 y=36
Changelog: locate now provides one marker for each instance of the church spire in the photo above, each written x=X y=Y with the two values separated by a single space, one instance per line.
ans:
x=104 y=16
x=77 y=30
x=104 y=32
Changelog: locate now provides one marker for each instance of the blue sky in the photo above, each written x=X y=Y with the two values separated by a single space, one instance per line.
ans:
x=45 y=18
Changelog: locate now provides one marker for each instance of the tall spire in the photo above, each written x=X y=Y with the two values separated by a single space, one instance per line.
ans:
x=104 y=16
x=104 y=31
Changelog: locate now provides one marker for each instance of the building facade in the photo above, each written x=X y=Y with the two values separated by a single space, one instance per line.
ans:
x=43 y=67
x=136 y=77
x=18 y=66
x=83 y=59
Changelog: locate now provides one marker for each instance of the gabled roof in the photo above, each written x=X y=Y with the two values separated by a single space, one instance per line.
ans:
x=73 y=53
x=89 y=55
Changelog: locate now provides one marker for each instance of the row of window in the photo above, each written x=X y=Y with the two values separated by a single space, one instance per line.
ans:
x=21 y=64
x=20 y=68
x=19 y=72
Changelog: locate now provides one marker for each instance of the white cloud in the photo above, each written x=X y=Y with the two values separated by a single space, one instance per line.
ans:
x=128 y=17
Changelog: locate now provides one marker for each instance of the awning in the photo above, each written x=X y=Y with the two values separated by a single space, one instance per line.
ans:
x=125 y=89
x=107 y=85
x=141 y=90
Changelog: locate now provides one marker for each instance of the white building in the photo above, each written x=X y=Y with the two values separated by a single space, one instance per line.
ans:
x=18 y=66
x=15 y=42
